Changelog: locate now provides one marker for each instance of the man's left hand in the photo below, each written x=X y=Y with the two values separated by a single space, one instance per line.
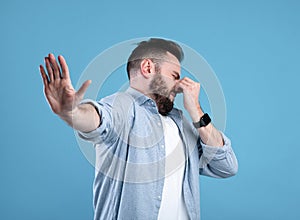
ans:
x=190 y=90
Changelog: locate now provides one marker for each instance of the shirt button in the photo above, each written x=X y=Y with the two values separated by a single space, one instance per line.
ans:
x=159 y=197
x=162 y=146
x=159 y=124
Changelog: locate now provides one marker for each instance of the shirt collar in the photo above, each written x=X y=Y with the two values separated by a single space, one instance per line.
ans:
x=139 y=97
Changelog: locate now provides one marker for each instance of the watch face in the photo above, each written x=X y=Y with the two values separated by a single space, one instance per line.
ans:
x=205 y=120
x=202 y=122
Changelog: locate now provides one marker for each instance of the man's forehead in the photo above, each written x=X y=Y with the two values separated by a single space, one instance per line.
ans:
x=175 y=66
x=172 y=63
x=172 y=59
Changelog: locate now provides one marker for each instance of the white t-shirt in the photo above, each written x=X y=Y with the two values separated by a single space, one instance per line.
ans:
x=172 y=203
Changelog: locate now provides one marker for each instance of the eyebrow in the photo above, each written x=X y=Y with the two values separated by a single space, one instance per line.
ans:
x=177 y=74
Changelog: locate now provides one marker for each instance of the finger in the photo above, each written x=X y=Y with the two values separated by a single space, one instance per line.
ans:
x=184 y=86
x=188 y=80
x=56 y=70
x=190 y=83
x=44 y=76
x=83 y=88
x=184 y=82
x=49 y=69
x=64 y=67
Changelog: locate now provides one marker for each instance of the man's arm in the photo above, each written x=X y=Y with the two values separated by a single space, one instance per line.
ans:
x=64 y=100
x=218 y=158
x=190 y=89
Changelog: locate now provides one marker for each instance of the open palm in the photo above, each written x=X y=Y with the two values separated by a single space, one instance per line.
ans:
x=58 y=88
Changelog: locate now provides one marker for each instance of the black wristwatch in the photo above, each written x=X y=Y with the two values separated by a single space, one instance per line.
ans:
x=204 y=121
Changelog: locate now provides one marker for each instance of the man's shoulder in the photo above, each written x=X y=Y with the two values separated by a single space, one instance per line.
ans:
x=129 y=96
x=119 y=101
x=116 y=96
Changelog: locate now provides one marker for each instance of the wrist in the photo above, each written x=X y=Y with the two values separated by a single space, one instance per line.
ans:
x=69 y=115
x=196 y=114
x=203 y=121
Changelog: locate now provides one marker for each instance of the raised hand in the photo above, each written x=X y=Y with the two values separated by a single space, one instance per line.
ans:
x=60 y=94
x=190 y=90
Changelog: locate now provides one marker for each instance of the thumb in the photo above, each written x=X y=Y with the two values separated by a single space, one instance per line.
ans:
x=83 y=88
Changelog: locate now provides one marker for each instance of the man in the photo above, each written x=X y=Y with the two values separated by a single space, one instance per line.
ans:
x=148 y=155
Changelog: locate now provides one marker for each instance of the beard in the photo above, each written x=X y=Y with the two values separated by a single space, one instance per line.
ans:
x=160 y=94
x=164 y=104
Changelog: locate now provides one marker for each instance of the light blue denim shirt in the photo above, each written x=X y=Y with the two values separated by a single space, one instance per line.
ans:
x=130 y=158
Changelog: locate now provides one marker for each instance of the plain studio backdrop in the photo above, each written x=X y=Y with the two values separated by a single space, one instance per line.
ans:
x=253 y=48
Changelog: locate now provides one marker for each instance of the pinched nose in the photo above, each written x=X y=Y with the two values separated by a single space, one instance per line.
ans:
x=177 y=89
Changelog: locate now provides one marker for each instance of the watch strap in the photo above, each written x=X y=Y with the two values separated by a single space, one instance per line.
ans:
x=204 y=121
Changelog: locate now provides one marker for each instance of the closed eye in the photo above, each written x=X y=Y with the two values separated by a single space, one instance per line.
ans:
x=176 y=75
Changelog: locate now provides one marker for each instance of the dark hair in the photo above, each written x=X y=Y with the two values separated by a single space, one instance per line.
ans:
x=155 y=49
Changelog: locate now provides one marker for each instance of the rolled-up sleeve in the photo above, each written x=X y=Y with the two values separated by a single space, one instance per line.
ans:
x=102 y=132
x=219 y=162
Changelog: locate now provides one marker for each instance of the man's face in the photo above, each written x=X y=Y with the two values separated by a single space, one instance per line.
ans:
x=163 y=84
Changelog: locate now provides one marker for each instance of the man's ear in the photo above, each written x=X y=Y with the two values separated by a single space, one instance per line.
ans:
x=147 y=68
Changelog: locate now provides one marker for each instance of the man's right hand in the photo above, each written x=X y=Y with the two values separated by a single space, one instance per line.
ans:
x=62 y=97
x=60 y=94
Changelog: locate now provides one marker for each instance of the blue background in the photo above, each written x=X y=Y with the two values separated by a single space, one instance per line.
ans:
x=253 y=47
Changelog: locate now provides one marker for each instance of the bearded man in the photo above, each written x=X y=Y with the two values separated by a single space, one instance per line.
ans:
x=148 y=155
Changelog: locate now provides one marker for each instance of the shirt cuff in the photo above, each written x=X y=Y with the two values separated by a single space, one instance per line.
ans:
x=94 y=136
x=219 y=152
